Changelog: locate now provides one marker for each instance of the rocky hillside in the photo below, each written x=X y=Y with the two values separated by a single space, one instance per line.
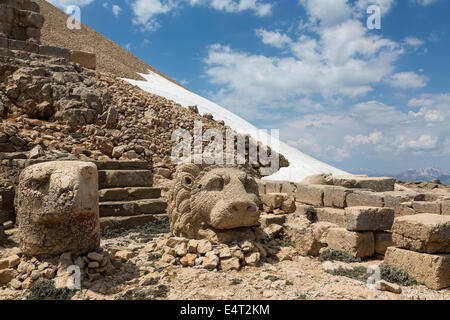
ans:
x=67 y=111
x=111 y=57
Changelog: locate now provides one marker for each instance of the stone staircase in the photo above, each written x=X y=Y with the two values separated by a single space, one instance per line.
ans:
x=126 y=190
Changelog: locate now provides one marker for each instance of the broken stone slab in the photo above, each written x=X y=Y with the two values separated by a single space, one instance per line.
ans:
x=364 y=198
x=57 y=208
x=357 y=244
x=377 y=184
x=387 y=286
x=273 y=200
x=332 y=215
x=369 y=218
x=428 y=233
x=383 y=240
x=310 y=194
x=433 y=270
x=85 y=59
x=335 y=196
x=427 y=207
x=268 y=219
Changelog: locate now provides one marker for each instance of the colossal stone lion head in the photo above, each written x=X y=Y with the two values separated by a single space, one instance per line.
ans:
x=206 y=200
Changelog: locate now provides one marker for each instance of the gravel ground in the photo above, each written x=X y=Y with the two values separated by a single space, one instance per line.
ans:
x=301 y=278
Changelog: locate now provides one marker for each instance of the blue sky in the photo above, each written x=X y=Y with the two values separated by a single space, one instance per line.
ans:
x=339 y=91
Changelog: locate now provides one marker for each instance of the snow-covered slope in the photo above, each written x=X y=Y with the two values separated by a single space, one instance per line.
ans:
x=301 y=165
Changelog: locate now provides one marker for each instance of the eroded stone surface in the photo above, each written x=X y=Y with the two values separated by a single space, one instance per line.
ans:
x=423 y=233
x=57 y=208
x=213 y=202
x=433 y=270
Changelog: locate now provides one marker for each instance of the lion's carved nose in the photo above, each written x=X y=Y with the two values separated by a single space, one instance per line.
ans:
x=243 y=207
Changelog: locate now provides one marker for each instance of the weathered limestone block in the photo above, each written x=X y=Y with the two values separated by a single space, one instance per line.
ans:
x=394 y=199
x=357 y=244
x=445 y=207
x=309 y=194
x=427 y=233
x=57 y=208
x=288 y=187
x=273 y=187
x=433 y=270
x=335 y=197
x=427 y=207
x=336 y=216
x=369 y=218
x=54 y=52
x=268 y=219
x=365 y=198
x=383 y=240
x=378 y=184
x=273 y=200
x=310 y=239
x=213 y=202
x=261 y=186
x=85 y=59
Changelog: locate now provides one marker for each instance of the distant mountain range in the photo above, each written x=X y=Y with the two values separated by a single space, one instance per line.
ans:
x=423 y=174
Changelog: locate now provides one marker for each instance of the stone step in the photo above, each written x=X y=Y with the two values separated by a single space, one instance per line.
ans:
x=132 y=208
x=124 y=178
x=128 y=194
x=111 y=223
x=108 y=164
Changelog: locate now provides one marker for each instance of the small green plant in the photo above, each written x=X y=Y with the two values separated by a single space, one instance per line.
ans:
x=157 y=269
x=160 y=292
x=235 y=281
x=154 y=257
x=337 y=255
x=76 y=136
x=357 y=273
x=285 y=242
x=394 y=275
x=272 y=278
x=289 y=283
x=45 y=290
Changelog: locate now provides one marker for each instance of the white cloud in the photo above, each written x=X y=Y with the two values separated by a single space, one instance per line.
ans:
x=413 y=42
x=372 y=131
x=423 y=2
x=273 y=38
x=63 y=4
x=340 y=61
x=423 y=143
x=405 y=80
x=146 y=11
x=116 y=10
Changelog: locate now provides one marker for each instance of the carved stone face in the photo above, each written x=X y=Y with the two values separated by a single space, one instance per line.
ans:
x=219 y=199
x=227 y=199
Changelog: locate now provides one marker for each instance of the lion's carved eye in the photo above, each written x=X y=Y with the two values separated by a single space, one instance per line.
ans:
x=187 y=181
x=215 y=184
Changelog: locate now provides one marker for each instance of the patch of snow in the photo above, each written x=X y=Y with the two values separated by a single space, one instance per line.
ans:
x=301 y=165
